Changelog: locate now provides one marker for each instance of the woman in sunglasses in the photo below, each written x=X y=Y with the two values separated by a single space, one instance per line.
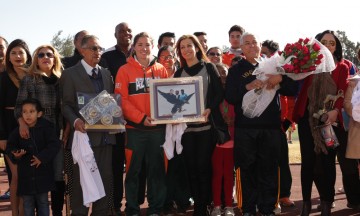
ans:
x=18 y=59
x=42 y=83
x=318 y=157
x=214 y=54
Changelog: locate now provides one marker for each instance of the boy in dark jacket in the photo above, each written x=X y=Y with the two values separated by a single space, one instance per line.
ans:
x=34 y=157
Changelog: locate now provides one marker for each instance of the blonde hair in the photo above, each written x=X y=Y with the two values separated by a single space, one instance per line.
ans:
x=57 y=67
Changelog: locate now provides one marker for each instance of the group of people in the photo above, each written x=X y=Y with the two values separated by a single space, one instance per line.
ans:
x=39 y=113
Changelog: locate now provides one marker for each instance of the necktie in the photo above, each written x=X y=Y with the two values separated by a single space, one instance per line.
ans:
x=94 y=73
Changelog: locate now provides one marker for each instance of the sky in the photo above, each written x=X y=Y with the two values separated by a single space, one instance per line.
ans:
x=284 y=21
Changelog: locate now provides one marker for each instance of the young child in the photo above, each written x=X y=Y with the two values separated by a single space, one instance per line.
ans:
x=34 y=157
x=223 y=158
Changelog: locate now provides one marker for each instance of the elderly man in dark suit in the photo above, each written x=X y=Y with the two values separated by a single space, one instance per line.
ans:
x=88 y=77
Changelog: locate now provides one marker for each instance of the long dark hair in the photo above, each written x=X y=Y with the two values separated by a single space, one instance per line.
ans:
x=200 y=55
x=12 y=45
x=338 y=53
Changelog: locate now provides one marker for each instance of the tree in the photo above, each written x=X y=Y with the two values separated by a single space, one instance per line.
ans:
x=64 y=46
x=349 y=47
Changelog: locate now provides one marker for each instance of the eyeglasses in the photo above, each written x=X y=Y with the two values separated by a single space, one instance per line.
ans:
x=325 y=43
x=169 y=57
x=48 y=54
x=96 y=48
x=214 y=54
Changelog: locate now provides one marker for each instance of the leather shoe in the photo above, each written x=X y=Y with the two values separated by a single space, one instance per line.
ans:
x=286 y=202
x=306 y=208
x=353 y=206
x=319 y=207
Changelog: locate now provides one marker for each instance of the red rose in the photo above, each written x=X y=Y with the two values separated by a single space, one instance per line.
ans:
x=300 y=40
x=316 y=47
x=320 y=56
x=312 y=68
x=306 y=40
x=306 y=58
x=317 y=62
x=305 y=50
x=288 y=67
x=295 y=60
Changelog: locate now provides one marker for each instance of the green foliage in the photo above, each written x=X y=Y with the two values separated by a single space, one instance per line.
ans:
x=349 y=48
x=64 y=46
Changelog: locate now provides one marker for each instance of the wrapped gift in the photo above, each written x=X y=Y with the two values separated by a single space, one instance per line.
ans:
x=101 y=112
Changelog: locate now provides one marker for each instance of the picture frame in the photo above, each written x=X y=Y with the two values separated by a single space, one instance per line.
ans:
x=177 y=100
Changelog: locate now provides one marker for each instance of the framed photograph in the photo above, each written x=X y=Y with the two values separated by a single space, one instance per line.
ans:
x=177 y=100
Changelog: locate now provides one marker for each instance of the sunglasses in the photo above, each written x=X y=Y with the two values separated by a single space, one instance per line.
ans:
x=325 y=43
x=169 y=57
x=214 y=54
x=48 y=55
x=96 y=48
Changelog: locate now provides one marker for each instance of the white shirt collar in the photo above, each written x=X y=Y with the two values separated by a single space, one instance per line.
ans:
x=88 y=68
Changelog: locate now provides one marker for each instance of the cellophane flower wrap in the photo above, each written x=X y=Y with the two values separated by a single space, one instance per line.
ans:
x=297 y=61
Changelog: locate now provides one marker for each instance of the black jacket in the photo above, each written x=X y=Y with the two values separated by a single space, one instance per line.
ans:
x=215 y=93
x=44 y=144
x=239 y=76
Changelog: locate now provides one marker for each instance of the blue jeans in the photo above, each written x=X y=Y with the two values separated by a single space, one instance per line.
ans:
x=42 y=204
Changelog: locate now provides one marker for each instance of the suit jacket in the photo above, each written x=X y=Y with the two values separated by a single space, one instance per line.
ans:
x=73 y=80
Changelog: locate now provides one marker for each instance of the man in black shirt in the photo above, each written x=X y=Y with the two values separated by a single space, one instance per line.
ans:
x=114 y=58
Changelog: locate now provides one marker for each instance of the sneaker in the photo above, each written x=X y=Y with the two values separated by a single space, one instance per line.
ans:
x=319 y=206
x=216 y=211
x=277 y=210
x=286 y=202
x=229 y=211
x=5 y=196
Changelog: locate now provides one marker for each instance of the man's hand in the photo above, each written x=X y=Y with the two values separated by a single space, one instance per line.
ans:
x=256 y=84
x=80 y=125
x=273 y=80
x=35 y=162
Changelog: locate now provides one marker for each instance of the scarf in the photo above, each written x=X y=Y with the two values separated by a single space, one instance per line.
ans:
x=322 y=85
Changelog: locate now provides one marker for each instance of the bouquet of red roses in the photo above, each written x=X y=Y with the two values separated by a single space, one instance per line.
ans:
x=297 y=61
x=302 y=56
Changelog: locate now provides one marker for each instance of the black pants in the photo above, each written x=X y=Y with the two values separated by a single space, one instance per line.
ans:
x=350 y=173
x=257 y=153
x=118 y=159
x=285 y=173
x=197 y=154
x=318 y=168
x=178 y=189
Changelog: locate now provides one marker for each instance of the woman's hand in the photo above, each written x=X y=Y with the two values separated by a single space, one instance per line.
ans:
x=23 y=129
x=18 y=154
x=3 y=145
x=206 y=114
x=148 y=120
x=66 y=134
x=35 y=161
x=332 y=116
